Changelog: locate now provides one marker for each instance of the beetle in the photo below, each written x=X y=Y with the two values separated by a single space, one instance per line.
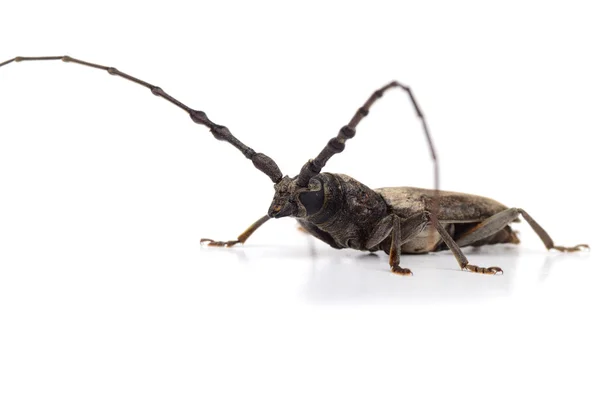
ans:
x=345 y=213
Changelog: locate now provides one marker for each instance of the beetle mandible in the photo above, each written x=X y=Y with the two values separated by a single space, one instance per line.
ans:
x=344 y=213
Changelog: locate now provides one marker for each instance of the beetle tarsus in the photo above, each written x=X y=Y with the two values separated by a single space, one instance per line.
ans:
x=401 y=271
x=483 y=270
x=214 y=243
x=577 y=248
x=240 y=239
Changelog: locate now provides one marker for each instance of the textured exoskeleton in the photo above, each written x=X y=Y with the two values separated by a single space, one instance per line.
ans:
x=347 y=214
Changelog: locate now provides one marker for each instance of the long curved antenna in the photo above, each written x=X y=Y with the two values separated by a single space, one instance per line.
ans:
x=221 y=133
x=337 y=144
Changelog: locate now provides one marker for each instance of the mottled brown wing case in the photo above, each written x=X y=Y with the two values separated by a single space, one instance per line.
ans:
x=454 y=207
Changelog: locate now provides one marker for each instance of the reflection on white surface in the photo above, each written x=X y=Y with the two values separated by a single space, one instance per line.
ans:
x=171 y=316
x=348 y=276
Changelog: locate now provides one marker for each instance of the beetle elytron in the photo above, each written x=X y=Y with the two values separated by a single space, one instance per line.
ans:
x=344 y=213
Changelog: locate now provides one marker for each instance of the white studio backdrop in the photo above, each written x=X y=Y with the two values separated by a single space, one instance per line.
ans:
x=107 y=189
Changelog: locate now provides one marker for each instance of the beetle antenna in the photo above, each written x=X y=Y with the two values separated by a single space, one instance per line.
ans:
x=221 y=133
x=337 y=144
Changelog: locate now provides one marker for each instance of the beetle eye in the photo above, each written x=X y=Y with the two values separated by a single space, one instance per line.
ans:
x=312 y=201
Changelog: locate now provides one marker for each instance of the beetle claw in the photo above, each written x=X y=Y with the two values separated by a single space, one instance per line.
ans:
x=496 y=270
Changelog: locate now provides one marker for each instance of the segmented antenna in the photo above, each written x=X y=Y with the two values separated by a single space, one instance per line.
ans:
x=338 y=143
x=221 y=133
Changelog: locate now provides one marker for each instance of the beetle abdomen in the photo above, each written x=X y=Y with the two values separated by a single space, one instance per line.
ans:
x=429 y=240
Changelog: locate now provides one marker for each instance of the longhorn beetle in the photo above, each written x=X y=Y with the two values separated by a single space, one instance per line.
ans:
x=344 y=213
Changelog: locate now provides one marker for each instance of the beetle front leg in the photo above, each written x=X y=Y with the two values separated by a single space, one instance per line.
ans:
x=458 y=254
x=241 y=239
x=395 y=248
x=399 y=231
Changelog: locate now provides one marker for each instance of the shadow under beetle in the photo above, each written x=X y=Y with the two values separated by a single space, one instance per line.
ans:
x=344 y=213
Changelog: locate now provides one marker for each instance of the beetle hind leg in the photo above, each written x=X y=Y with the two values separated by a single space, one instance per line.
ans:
x=489 y=227
x=547 y=239
x=499 y=221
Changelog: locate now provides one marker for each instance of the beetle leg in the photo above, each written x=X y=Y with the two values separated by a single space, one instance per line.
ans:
x=487 y=227
x=458 y=254
x=302 y=229
x=381 y=231
x=500 y=220
x=546 y=238
x=395 y=248
x=241 y=239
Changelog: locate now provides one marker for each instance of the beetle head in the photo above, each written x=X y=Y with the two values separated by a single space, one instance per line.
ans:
x=291 y=200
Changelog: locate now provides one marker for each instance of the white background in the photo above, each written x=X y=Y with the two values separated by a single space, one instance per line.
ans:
x=106 y=191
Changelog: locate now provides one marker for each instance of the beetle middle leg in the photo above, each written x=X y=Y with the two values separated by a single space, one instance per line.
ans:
x=240 y=239
x=458 y=254
x=500 y=220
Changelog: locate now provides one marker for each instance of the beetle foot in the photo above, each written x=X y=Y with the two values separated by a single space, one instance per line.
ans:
x=483 y=270
x=215 y=243
x=401 y=271
x=576 y=248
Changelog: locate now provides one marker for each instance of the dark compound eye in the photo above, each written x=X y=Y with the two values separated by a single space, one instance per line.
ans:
x=312 y=201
